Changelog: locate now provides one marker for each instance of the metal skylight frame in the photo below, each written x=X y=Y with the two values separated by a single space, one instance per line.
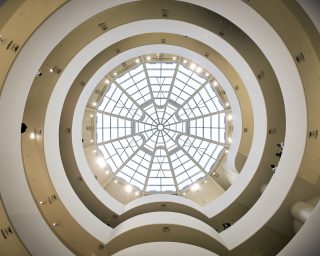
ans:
x=161 y=126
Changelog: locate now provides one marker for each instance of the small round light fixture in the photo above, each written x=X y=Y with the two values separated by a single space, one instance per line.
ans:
x=101 y=162
x=195 y=187
x=199 y=69
x=193 y=66
x=128 y=188
x=32 y=135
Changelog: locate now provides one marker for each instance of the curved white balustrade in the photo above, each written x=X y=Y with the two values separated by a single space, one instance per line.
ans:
x=301 y=211
x=212 y=40
x=306 y=241
x=165 y=248
x=312 y=7
x=22 y=209
x=91 y=84
x=169 y=222
x=296 y=115
x=162 y=198
x=17 y=199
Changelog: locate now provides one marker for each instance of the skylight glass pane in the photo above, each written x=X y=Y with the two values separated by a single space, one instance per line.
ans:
x=99 y=135
x=186 y=71
x=123 y=78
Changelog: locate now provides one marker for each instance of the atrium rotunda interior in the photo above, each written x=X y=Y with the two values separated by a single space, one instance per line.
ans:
x=148 y=127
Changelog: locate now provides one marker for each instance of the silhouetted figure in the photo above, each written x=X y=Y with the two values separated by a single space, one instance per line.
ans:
x=279 y=154
x=280 y=145
x=23 y=127
x=226 y=225
x=274 y=167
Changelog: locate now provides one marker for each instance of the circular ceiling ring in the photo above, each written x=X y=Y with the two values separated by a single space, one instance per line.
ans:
x=97 y=81
x=81 y=104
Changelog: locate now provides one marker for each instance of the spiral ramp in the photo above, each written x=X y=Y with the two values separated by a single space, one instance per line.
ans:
x=265 y=54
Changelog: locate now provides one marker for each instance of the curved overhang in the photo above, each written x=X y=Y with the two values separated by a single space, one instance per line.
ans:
x=41 y=157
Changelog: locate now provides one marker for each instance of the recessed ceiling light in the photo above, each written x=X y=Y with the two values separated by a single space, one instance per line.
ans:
x=94 y=151
x=227 y=104
x=101 y=162
x=115 y=73
x=128 y=188
x=148 y=58
x=51 y=70
x=215 y=83
x=137 y=193
x=229 y=117
x=32 y=135
x=185 y=61
x=137 y=60
x=91 y=140
x=116 y=181
x=227 y=151
x=174 y=57
x=107 y=81
x=207 y=74
x=107 y=172
x=199 y=69
x=229 y=139
x=195 y=187
x=192 y=66
x=94 y=104
x=91 y=115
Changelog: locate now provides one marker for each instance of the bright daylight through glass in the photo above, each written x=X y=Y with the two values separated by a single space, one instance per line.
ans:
x=161 y=126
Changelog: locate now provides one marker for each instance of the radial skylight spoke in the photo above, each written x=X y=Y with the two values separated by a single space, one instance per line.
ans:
x=160 y=127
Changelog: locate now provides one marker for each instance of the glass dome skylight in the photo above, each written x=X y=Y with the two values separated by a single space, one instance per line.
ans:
x=161 y=126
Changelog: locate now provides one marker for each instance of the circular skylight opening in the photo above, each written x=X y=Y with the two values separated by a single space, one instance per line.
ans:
x=161 y=125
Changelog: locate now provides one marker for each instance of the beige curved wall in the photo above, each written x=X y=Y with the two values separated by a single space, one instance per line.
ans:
x=297 y=176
